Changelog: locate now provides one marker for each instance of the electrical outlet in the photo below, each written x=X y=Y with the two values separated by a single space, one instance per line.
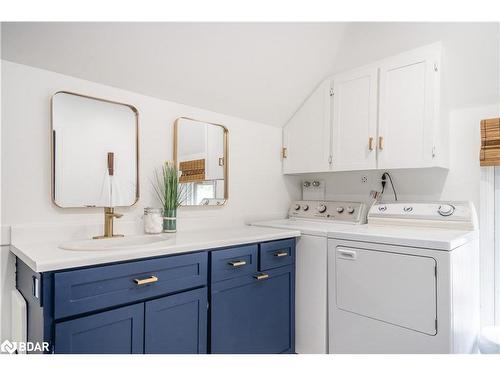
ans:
x=364 y=179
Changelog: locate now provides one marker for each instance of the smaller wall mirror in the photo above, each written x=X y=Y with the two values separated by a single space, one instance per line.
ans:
x=201 y=155
x=95 y=152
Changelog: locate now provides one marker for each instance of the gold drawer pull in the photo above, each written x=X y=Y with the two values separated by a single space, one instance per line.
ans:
x=280 y=254
x=237 y=263
x=261 y=276
x=149 y=280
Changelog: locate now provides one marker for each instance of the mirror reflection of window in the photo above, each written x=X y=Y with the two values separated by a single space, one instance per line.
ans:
x=201 y=161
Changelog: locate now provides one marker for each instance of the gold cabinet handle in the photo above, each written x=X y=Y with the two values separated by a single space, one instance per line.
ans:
x=221 y=162
x=237 y=263
x=280 y=254
x=149 y=280
x=370 y=143
x=381 y=143
x=261 y=276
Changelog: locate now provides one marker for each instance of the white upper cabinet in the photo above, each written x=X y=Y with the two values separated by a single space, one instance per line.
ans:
x=306 y=137
x=355 y=120
x=409 y=109
x=383 y=116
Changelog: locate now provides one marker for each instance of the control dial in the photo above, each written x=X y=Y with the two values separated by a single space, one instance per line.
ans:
x=321 y=208
x=350 y=210
x=305 y=207
x=446 y=209
x=340 y=209
x=297 y=207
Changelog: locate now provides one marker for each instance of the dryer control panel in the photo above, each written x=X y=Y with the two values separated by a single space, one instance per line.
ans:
x=346 y=212
x=451 y=215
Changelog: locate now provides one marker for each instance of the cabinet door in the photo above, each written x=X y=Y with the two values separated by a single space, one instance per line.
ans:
x=177 y=324
x=306 y=136
x=249 y=315
x=355 y=120
x=409 y=102
x=118 y=331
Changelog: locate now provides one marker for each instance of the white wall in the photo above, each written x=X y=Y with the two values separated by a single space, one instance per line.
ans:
x=256 y=186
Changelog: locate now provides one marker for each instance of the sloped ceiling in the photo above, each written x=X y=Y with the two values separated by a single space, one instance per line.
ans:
x=256 y=71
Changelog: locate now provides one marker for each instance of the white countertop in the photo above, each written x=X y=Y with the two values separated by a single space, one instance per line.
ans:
x=309 y=227
x=421 y=237
x=46 y=256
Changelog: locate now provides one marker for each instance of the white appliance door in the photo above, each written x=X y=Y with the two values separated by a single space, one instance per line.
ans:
x=399 y=289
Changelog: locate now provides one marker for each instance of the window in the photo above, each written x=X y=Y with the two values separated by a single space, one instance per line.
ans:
x=198 y=192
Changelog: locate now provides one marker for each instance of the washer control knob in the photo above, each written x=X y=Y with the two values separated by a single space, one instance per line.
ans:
x=382 y=208
x=305 y=207
x=340 y=209
x=446 y=209
x=350 y=210
x=307 y=184
x=407 y=208
x=297 y=207
x=321 y=208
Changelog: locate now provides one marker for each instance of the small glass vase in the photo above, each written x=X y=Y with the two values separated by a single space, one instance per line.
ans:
x=170 y=221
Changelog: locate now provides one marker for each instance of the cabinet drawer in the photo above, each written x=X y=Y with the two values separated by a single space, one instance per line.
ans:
x=90 y=289
x=234 y=262
x=277 y=253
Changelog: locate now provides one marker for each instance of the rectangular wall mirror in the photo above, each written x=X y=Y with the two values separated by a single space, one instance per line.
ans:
x=95 y=152
x=201 y=155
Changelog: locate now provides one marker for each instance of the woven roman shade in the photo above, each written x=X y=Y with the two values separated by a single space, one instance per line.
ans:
x=192 y=170
x=490 y=142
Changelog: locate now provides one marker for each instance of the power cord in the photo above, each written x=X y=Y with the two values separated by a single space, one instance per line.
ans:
x=386 y=175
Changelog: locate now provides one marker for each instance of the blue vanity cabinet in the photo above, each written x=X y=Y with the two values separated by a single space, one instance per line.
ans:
x=254 y=313
x=233 y=300
x=118 y=331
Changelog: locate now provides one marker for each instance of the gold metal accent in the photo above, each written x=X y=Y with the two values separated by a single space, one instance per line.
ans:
x=284 y=152
x=225 y=147
x=370 y=143
x=280 y=254
x=52 y=144
x=261 y=276
x=237 y=263
x=381 y=143
x=111 y=163
x=149 y=280
x=109 y=215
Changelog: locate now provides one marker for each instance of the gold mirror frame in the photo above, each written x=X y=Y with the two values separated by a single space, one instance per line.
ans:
x=52 y=146
x=226 y=155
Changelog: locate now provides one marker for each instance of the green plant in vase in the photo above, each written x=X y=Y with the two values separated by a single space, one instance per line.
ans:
x=169 y=193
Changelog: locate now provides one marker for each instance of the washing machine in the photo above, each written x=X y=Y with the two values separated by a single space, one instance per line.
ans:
x=407 y=281
x=314 y=220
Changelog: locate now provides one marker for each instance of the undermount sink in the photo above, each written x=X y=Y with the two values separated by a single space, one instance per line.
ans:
x=116 y=243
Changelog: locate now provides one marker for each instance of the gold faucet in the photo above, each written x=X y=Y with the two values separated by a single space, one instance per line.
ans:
x=109 y=215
